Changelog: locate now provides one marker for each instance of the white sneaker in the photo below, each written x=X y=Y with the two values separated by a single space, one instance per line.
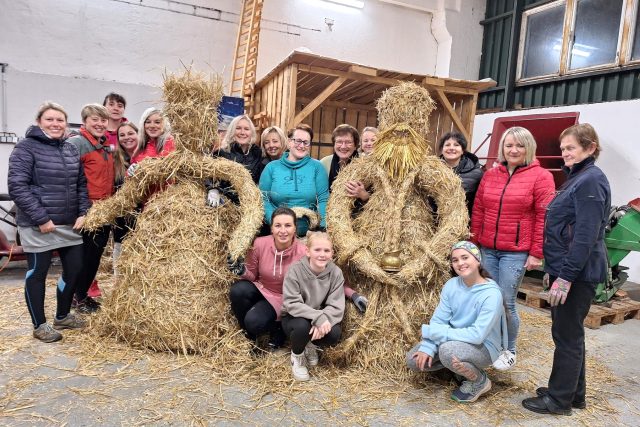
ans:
x=311 y=353
x=299 y=367
x=506 y=360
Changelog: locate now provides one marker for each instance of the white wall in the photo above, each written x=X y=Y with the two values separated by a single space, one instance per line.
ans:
x=74 y=52
x=620 y=157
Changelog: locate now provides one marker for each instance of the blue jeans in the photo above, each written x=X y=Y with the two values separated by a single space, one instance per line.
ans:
x=507 y=269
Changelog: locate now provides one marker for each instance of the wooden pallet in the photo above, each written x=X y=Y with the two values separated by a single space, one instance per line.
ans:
x=615 y=311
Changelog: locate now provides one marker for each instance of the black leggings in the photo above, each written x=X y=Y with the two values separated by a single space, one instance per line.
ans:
x=34 y=289
x=254 y=313
x=93 y=246
x=298 y=328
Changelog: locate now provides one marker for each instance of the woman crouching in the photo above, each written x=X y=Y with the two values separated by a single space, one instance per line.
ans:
x=313 y=304
x=465 y=332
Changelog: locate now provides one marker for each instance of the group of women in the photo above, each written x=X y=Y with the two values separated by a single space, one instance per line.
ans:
x=289 y=289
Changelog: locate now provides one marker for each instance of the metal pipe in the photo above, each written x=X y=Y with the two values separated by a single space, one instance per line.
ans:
x=3 y=87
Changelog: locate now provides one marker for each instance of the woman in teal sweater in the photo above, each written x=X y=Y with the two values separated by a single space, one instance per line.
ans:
x=468 y=328
x=296 y=180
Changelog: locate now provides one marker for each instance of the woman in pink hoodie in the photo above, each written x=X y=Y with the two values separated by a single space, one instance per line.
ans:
x=256 y=299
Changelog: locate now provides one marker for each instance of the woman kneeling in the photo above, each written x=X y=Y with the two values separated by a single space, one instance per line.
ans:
x=466 y=331
x=313 y=304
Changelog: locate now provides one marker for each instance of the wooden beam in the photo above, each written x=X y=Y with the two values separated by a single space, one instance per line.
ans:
x=452 y=113
x=315 y=103
x=341 y=104
x=363 y=70
x=432 y=81
x=293 y=94
x=348 y=75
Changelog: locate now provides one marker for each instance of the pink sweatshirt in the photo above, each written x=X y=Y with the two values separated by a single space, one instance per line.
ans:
x=266 y=267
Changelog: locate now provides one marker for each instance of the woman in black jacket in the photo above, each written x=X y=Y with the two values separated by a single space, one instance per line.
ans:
x=576 y=260
x=453 y=151
x=239 y=145
x=48 y=186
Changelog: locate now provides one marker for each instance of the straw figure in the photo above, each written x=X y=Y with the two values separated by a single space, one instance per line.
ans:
x=394 y=250
x=170 y=292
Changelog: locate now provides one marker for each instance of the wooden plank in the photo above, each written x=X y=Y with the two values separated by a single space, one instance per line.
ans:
x=454 y=116
x=327 y=125
x=341 y=104
x=351 y=117
x=316 y=125
x=280 y=98
x=368 y=71
x=433 y=82
x=292 y=98
x=318 y=100
x=349 y=75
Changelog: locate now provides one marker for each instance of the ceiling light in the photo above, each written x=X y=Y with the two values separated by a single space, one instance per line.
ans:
x=351 y=3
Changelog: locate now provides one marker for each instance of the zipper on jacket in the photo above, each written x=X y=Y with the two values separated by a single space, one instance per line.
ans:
x=518 y=234
x=495 y=237
x=66 y=175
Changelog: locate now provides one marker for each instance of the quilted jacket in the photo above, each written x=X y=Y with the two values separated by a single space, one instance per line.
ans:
x=46 y=181
x=508 y=212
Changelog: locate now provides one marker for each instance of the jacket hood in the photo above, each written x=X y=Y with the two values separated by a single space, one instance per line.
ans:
x=38 y=134
x=468 y=162
x=481 y=287
x=308 y=272
x=293 y=165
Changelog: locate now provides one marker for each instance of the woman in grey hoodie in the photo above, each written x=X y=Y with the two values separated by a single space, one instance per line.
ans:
x=313 y=304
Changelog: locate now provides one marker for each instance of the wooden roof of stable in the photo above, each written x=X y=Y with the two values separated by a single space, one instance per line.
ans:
x=363 y=84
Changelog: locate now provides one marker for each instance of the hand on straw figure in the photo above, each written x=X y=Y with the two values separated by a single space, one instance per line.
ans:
x=236 y=267
x=360 y=301
x=559 y=291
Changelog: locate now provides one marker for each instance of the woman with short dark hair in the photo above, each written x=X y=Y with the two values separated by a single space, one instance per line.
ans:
x=452 y=148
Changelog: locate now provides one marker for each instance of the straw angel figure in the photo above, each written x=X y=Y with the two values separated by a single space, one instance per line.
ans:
x=395 y=248
x=172 y=273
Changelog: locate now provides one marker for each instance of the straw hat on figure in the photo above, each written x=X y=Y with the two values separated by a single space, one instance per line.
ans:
x=173 y=276
x=395 y=247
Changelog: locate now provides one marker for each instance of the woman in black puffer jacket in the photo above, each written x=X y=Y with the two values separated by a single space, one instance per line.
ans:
x=453 y=151
x=48 y=186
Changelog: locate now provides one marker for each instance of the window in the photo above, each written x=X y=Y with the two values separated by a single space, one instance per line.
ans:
x=543 y=41
x=572 y=36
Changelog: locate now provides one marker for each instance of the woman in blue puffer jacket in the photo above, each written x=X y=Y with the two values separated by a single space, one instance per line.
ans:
x=48 y=186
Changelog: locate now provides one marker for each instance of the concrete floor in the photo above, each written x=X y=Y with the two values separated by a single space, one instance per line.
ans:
x=72 y=383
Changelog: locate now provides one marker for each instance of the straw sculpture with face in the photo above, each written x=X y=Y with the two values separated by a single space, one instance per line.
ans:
x=170 y=293
x=395 y=249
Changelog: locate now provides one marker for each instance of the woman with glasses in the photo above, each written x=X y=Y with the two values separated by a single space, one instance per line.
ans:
x=508 y=221
x=346 y=140
x=296 y=180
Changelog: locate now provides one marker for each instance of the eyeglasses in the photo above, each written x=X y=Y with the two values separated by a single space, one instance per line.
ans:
x=300 y=142
x=345 y=143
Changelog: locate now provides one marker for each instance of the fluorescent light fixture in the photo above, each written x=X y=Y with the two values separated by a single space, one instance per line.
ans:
x=351 y=3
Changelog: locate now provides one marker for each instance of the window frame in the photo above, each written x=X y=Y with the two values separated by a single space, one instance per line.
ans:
x=624 y=49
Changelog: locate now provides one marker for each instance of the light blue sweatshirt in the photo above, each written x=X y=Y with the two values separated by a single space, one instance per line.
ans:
x=474 y=315
x=303 y=183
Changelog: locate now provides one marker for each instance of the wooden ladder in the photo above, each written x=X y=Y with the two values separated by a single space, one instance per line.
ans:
x=245 y=58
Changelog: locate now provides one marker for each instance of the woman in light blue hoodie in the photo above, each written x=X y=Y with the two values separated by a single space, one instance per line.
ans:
x=468 y=329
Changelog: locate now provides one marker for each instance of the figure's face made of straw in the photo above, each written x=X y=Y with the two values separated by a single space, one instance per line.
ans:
x=399 y=150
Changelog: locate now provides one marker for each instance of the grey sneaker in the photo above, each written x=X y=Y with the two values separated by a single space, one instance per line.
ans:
x=70 y=321
x=46 y=333
x=311 y=353
x=470 y=391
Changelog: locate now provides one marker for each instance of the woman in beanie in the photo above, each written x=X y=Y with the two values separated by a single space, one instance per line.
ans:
x=465 y=334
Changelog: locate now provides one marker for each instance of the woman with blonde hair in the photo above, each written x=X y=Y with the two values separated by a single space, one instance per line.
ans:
x=273 y=142
x=508 y=221
x=368 y=137
x=239 y=145
x=154 y=138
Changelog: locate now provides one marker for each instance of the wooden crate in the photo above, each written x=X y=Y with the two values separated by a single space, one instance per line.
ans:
x=615 y=311
x=324 y=92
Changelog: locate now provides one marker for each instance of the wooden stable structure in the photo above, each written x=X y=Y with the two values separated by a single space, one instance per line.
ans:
x=324 y=92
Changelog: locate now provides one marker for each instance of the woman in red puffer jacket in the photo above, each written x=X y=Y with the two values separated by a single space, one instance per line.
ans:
x=508 y=222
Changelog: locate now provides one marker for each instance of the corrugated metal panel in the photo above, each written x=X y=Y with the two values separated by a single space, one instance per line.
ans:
x=620 y=86
x=612 y=86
